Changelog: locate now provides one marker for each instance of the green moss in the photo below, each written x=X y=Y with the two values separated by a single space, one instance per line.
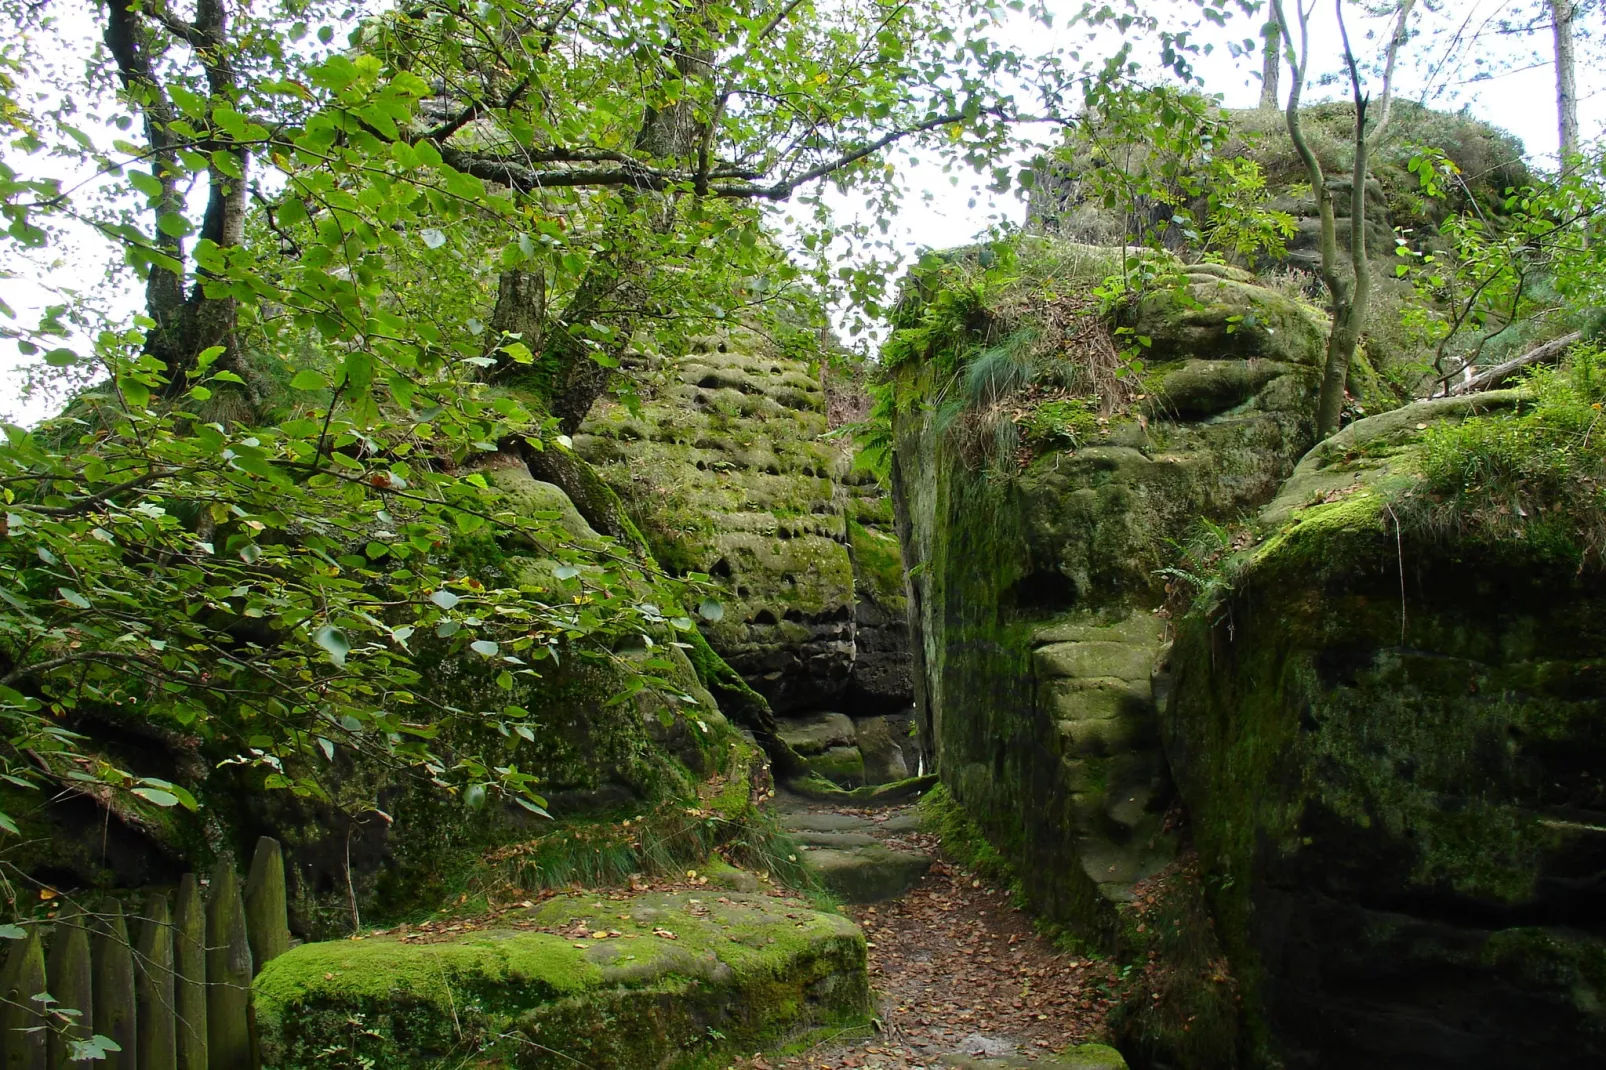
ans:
x=877 y=566
x=840 y=765
x=1535 y=474
x=1062 y=423
x=962 y=840
x=684 y=982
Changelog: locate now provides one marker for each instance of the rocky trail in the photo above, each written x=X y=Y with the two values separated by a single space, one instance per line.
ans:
x=961 y=978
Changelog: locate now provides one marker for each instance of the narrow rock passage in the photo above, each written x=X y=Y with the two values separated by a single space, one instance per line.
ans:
x=960 y=976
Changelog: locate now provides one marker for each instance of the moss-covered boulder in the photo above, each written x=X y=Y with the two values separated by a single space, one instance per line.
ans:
x=1036 y=565
x=1066 y=203
x=724 y=466
x=1389 y=728
x=665 y=980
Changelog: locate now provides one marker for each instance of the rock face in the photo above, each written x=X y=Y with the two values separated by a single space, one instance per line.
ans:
x=1037 y=642
x=726 y=475
x=1348 y=758
x=725 y=471
x=1392 y=746
x=853 y=753
x=655 y=980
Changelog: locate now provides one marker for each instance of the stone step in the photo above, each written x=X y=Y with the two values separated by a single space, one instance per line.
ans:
x=823 y=821
x=1081 y=1057
x=836 y=839
x=867 y=874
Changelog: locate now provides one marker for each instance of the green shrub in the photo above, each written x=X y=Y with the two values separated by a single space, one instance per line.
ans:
x=1534 y=475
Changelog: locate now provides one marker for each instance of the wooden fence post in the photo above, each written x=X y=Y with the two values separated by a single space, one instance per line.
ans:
x=266 y=911
x=115 y=1014
x=22 y=1036
x=230 y=1043
x=154 y=989
x=189 y=981
x=72 y=983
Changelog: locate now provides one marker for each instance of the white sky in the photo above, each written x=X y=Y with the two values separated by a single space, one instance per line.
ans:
x=1521 y=101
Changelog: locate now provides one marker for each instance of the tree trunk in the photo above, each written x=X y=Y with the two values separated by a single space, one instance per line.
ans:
x=568 y=373
x=1350 y=290
x=1561 y=24
x=129 y=44
x=1351 y=299
x=1271 y=56
x=186 y=325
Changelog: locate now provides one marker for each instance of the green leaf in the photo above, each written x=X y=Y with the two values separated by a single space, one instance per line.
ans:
x=711 y=610
x=307 y=379
x=484 y=647
x=13 y=932
x=157 y=796
x=334 y=641
x=532 y=807
x=173 y=225
x=73 y=597
x=445 y=599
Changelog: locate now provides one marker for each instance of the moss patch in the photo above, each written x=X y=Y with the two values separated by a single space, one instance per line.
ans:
x=668 y=980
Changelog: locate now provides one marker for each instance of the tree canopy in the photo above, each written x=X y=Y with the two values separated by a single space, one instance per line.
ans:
x=376 y=250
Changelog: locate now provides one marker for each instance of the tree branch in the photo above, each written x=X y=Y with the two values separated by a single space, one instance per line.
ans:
x=1386 y=98
x=1492 y=377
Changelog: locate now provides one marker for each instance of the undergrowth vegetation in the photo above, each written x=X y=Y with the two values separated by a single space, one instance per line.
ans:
x=1022 y=338
x=1537 y=474
x=666 y=839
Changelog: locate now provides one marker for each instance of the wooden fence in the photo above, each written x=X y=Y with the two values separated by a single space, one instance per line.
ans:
x=177 y=996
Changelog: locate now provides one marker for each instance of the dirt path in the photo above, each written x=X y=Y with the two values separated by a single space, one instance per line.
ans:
x=957 y=971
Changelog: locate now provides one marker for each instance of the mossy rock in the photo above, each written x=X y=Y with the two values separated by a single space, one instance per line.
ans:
x=1035 y=581
x=866 y=873
x=725 y=472
x=1080 y=1057
x=739 y=972
x=818 y=732
x=843 y=766
x=1390 y=734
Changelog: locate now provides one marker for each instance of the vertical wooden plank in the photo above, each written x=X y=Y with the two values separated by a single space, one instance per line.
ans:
x=115 y=1010
x=72 y=984
x=189 y=974
x=228 y=976
x=22 y=1040
x=158 y=1045
x=267 y=919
